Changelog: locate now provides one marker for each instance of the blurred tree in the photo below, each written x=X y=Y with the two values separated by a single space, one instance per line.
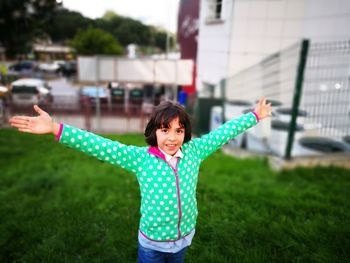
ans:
x=132 y=31
x=109 y=15
x=126 y=30
x=21 y=21
x=65 y=25
x=160 y=39
x=96 y=41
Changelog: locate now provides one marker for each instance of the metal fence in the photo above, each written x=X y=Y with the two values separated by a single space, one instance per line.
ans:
x=308 y=86
x=326 y=93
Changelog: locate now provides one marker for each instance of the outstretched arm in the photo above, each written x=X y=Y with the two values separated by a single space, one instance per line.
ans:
x=126 y=156
x=207 y=144
x=41 y=124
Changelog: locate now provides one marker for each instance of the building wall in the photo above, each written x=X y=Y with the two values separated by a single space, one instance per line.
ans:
x=213 y=46
x=254 y=29
x=327 y=20
x=263 y=27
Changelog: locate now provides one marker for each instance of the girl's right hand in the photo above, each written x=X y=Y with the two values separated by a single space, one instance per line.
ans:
x=42 y=124
x=263 y=109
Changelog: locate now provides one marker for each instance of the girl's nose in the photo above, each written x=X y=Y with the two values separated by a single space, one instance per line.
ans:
x=171 y=136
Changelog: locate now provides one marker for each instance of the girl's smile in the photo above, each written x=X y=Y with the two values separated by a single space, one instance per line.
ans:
x=170 y=139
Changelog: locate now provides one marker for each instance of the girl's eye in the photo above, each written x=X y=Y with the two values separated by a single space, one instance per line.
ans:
x=164 y=130
x=180 y=131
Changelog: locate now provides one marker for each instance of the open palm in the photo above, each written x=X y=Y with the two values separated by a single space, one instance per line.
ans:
x=41 y=124
x=263 y=109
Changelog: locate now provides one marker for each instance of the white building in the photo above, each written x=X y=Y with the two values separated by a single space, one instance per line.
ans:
x=236 y=34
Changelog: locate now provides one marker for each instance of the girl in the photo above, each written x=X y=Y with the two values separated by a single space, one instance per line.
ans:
x=167 y=170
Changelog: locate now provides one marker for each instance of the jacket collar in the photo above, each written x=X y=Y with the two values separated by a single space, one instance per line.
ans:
x=154 y=150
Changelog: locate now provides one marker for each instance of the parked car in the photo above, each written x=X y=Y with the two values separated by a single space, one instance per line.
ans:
x=3 y=91
x=54 y=67
x=69 y=68
x=60 y=63
x=3 y=101
x=91 y=93
x=30 y=91
x=24 y=66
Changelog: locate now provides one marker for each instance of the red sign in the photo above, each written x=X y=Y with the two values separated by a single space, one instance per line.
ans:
x=187 y=33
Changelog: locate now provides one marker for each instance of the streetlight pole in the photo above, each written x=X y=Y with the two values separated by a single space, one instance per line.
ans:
x=167 y=44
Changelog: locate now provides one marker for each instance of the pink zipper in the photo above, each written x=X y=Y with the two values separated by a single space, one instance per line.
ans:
x=155 y=151
x=178 y=199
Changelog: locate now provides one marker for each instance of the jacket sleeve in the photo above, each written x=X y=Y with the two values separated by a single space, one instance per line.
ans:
x=209 y=143
x=114 y=152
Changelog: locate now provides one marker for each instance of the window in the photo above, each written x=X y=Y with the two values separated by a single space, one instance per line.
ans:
x=214 y=11
x=24 y=89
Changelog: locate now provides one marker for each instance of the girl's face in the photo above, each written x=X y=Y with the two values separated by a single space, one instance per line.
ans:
x=170 y=139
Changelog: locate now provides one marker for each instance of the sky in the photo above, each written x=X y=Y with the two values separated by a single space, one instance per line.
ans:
x=151 y=12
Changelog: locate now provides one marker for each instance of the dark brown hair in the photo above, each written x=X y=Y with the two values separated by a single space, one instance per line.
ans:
x=162 y=116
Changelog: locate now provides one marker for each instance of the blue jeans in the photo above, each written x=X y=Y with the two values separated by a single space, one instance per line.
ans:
x=146 y=255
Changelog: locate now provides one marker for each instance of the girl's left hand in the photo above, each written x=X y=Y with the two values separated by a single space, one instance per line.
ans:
x=263 y=109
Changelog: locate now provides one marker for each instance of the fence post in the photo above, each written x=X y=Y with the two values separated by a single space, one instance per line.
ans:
x=297 y=96
x=223 y=100
x=87 y=111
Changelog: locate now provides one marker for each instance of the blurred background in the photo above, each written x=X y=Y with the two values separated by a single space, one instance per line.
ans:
x=104 y=65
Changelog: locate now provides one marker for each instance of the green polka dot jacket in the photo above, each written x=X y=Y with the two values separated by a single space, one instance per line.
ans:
x=168 y=196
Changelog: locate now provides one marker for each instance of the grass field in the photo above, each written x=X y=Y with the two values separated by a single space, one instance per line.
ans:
x=58 y=205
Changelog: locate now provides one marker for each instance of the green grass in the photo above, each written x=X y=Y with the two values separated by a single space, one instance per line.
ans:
x=58 y=205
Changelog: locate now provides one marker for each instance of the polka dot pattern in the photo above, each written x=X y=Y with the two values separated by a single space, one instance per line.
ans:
x=214 y=140
x=130 y=157
x=168 y=198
